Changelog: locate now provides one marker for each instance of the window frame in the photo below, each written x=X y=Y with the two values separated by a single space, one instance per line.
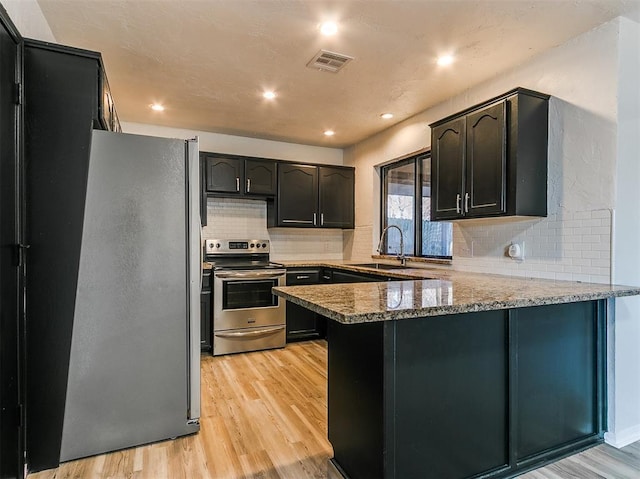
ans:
x=416 y=160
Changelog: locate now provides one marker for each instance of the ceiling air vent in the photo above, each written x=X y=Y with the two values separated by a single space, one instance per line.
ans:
x=329 y=61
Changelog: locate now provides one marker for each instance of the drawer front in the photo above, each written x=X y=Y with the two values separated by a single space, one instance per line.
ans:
x=297 y=277
x=248 y=339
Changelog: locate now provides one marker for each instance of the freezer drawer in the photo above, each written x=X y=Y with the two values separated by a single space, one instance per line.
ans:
x=248 y=339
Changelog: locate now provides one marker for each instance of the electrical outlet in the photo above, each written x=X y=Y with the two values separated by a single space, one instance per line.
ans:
x=516 y=251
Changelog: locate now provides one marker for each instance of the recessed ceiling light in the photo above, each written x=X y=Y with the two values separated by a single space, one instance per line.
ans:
x=386 y=116
x=329 y=132
x=445 y=60
x=328 y=28
x=269 y=95
x=157 y=107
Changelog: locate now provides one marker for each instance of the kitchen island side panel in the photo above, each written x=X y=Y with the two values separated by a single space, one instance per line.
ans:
x=451 y=395
x=487 y=394
x=356 y=397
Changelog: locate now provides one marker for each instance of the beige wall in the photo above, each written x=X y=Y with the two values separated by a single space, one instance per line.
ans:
x=574 y=242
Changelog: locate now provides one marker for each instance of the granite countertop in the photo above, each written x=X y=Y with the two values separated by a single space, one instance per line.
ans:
x=431 y=292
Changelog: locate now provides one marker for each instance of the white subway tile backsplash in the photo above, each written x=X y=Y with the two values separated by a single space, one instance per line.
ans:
x=567 y=245
x=229 y=218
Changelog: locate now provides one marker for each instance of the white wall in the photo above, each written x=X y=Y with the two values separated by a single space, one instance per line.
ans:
x=28 y=18
x=574 y=241
x=241 y=145
x=241 y=218
x=624 y=384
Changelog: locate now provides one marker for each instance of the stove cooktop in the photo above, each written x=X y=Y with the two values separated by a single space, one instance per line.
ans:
x=239 y=254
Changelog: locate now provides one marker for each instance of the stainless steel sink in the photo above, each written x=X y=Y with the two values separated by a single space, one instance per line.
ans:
x=379 y=266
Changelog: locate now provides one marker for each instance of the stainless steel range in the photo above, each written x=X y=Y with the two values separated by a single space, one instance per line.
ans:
x=246 y=315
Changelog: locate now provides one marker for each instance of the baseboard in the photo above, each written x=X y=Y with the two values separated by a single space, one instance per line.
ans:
x=623 y=438
x=334 y=471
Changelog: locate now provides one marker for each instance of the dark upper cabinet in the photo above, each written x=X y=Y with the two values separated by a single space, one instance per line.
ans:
x=223 y=174
x=107 y=109
x=230 y=175
x=297 y=199
x=313 y=196
x=491 y=160
x=336 y=197
x=486 y=162
x=447 y=170
x=260 y=177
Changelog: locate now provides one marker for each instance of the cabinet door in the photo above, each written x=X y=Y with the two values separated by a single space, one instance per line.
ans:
x=447 y=170
x=205 y=321
x=347 y=277
x=336 y=197
x=559 y=377
x=302 y=323
x=223 y=175
x=260 y=177
x=486 y=162
x=297 y=195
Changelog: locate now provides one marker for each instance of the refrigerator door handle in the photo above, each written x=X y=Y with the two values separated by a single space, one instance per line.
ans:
x=195 y=277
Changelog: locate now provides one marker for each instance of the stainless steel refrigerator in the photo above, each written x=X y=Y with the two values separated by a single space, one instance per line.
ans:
x=134 y=369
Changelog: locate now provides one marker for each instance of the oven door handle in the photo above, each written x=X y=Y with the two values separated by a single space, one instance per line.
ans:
x=250 y=334
x=273 y=274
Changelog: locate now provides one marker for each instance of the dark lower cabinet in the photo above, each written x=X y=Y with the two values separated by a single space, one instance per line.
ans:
x=341 y=276
x=484 y=394
x=303 y=324
x=206 y=318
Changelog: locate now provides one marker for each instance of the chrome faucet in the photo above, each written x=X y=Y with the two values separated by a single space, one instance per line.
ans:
x=401 y=256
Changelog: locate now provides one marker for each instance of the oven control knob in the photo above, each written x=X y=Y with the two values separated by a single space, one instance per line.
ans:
x=217 y=245
x=251 y=245
x=264 y=245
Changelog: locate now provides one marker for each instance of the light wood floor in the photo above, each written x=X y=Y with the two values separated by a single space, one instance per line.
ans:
x=264 y=415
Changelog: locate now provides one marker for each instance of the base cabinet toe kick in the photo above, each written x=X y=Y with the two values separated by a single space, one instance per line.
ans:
x=487 y=394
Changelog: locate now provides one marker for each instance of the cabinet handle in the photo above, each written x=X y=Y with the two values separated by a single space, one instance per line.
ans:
x=304 y=222
x=315 y=219
x=466 y=202
x=248 y=185
x=458 y=198
x=237 y=184
x=321 y=219
x=303 y=276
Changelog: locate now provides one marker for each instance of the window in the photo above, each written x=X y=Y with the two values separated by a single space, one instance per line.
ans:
x=406 y=199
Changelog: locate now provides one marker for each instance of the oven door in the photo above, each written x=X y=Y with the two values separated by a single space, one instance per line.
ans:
x=243 y=299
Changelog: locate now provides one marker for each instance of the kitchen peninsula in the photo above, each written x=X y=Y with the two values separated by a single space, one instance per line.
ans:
x=443 y=374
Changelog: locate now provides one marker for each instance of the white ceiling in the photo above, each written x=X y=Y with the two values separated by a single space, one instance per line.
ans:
x=208 y=61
